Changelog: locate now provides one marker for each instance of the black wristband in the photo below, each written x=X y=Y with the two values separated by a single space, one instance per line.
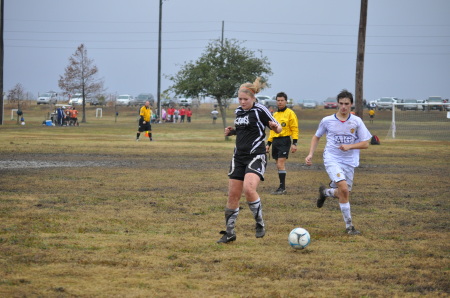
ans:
x=269 y=143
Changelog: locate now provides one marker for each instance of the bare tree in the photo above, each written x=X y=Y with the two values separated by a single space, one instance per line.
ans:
x=81 y=76
x=16 y=94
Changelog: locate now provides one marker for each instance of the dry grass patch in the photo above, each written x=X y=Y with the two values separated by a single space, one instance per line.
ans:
x=91 y=212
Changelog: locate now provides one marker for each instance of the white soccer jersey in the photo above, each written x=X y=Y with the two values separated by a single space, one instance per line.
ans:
x=350 y=131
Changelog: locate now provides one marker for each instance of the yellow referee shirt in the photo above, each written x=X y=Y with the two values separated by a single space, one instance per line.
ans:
x=146 y=113
x=289 y=123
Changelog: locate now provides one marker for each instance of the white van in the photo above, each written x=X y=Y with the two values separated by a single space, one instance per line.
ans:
x=48 y=98
x=124 y=100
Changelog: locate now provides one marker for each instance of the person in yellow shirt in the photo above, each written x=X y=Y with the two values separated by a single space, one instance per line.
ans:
x=282 y=141
x=144 y=121
x=372 y=115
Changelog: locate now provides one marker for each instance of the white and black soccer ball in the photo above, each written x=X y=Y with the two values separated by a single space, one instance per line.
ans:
x=299 y=238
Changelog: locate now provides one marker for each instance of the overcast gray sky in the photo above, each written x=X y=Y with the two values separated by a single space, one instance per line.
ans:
x=311 y=44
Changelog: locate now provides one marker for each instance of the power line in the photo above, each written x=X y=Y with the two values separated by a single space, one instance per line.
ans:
x=271 y=50
x=247 y=40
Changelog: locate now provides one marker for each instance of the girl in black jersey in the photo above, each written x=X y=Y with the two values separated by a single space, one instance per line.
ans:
x=249 y=158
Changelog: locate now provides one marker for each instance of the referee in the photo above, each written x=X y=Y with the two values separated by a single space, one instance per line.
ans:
x=145 y=114
x=282 y=141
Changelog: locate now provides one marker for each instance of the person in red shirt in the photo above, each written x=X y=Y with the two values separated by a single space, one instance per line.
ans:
x=170 y=113
x=182 y=114
x=189 y=115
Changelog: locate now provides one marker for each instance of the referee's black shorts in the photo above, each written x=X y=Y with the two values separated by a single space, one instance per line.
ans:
x=144 y=127
x=281 y=147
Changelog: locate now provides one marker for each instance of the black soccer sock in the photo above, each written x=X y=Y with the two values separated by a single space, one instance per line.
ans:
x=282 y=176
x=138 y=135
x=150 y=135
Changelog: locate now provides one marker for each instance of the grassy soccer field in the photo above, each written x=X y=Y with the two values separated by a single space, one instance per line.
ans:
x=88 y=211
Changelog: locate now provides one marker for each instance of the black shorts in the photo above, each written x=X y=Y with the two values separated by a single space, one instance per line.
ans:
x=144 y=127
x=243 y=164
x=281 y=147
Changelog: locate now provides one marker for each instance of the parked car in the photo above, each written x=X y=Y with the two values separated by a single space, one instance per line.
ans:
x=166 y=102
x=142 y=98
x=309 y=104
x=124 y=100
x=76 y=99
x=435 y=103
x=409 y=104
x=330 y=103
x=386 y=103
x=188 y=102
x=266 y=100
x=48 y=98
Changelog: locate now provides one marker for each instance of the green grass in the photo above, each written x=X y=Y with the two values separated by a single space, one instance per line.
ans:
x=87 y=211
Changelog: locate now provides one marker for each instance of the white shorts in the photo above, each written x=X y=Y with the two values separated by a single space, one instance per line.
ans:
x=338 y=172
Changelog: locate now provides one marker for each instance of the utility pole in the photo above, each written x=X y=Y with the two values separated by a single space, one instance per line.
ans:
x=223 y=29
x=360 y=59
x=2 y=13
x=159 y=60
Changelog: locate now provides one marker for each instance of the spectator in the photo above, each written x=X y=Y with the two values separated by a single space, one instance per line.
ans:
x=189 y=115
x=214 y=114
x=182 y=114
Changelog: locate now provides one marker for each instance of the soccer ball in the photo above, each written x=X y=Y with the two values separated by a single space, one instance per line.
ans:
x=299 y=238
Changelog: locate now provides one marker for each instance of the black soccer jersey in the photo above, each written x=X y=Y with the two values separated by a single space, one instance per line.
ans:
x=250 y=129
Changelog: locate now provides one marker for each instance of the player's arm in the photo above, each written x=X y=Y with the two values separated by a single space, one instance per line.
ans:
x=360 y=145
x=275 y=126
x=314 y=142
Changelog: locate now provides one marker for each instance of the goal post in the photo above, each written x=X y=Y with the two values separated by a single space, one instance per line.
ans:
x=423 y=121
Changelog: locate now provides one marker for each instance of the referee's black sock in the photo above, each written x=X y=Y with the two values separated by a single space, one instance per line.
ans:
x=282 y=176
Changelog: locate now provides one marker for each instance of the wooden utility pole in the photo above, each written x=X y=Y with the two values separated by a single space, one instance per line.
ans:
x=360 y=59
x=2 y=10
x=159 y=60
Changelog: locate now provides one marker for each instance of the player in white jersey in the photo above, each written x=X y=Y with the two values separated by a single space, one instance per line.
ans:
x=346 y=134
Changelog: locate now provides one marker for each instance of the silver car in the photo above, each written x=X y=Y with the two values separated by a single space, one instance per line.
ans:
x=410 y=104
x=309 y=104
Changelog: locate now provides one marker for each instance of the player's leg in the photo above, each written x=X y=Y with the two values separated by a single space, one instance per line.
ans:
x=140 y=130
x=344 y=188
x=281 y=166
x=235 y=186
x=254 y=174
x=336 y=174
x=149 y=129
x=231 y=210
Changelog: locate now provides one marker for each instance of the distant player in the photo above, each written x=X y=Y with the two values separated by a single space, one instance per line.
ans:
x=281 y=142
x=144 y=122
x=346 y=134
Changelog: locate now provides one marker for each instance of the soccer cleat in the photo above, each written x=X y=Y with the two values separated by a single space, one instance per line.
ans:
x=260 y=231
x=322 y=197
x=137 y=140
x=352 y=231
x=151 y=139
x=279 y=191
x=226 y=237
